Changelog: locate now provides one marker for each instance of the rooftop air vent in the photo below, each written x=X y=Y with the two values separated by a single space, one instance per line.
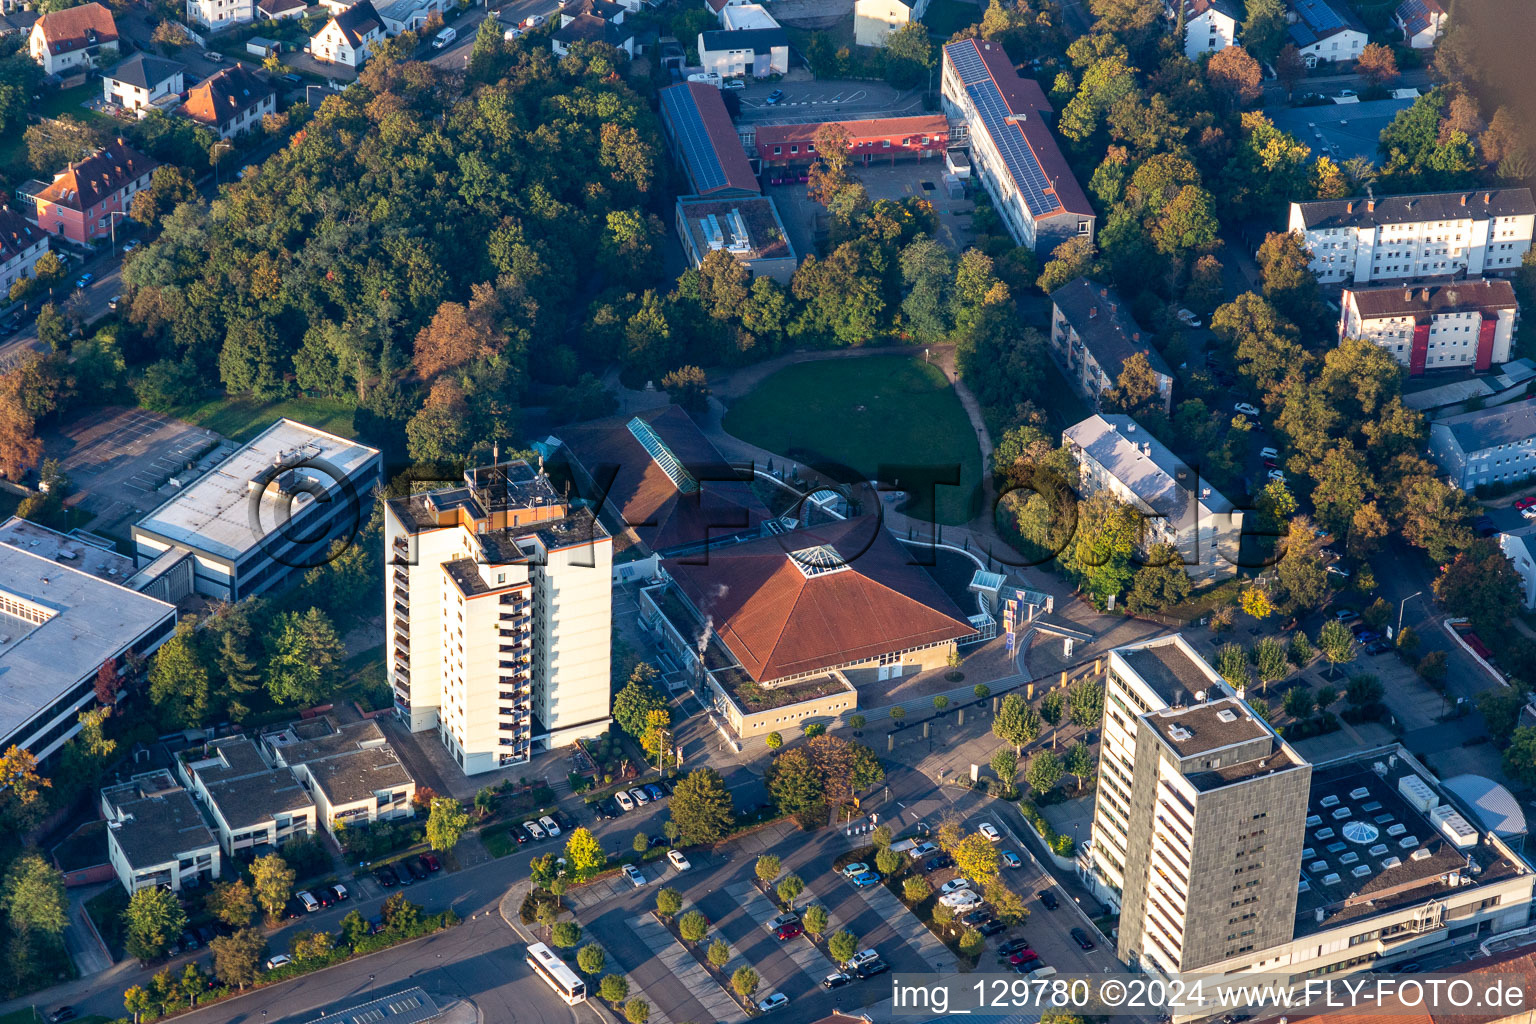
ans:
x=1318 y=866
x=1332 y=878
x=1361 y=871
x=1350 y=858
x=1331 y=800
x=1324 y=833
x=1226 y=715
x=1391 y=862
x=1419 y=854
x=1342 y=813
x=1179 y=733
x=1314 y=820
x=1359 y=794
x=1396 y=830
x=1408 y=842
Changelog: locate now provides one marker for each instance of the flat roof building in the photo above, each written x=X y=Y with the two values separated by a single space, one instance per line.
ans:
x=1486 y=446
x=870 y=140
x=64 y=612
x=156 y=836
x=271 y=509
x=1014 y=153
x=254 y=806
x=352 y=772
x=748 y=228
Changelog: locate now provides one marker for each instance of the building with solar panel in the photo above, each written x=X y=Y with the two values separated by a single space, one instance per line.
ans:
x=1012 y=149
x=1421 y=22
x=704 y=142
x=499 y=600
x=1325 y=31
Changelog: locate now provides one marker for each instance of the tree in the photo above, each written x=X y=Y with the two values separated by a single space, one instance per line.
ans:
x=774 y=740
x=1005 y=765
x=908 y=54
x=1080 y=762
x=1255 y=602
x=237 y=957
x=583 y=853
x=887 y=861
x=107 y=683
x=1520 y=756
x=940 y=703
x=272 y=879
x=1085 y=703
x=591 y=959
x=898 y=713
x=1234 y=74
x=789 y=889
x=1052 y=707
x=794 y=783
x=767 y=868
x=1377 y=64
x=1290 y=286
x=815 y=919
x=828 y=175
x=719 y=954
x=232 y=903
x=637 y=1011
x=668 y=902
x=1290 y=68
x=636 y=700
x=744 y=981
x=640 y=843
x=972 y=942
x=613 y=988
x=1232 y=665
x=688 y=387
x=1337 y=644
x=856 y=722
x=565 y=934
x=702 y=808
x=1137 y=391
x=1016 y=722
x=1269 y=660
x=32 y=896
x=693 y=926
x=446 y=823
x=1043 y=772
x=1070 y=260
x=1480 y=584
x=1501 y=708
x=976 y=858
x=152 y=920
x=1298 y=702
x=168 y=188
x=916 y=889
x=304 y=654
x=1159 y=584
x=178 y=680
x=843 y=946
x=1264 y=29
x=881 y=837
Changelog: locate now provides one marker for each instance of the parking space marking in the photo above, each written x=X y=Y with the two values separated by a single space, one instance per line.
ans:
x=761 y=909
x=697 y=981
x=885 y=903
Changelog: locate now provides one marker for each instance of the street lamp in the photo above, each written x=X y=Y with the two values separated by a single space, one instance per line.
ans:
x=1400 y=606
x=112 y=216
x=213 y=154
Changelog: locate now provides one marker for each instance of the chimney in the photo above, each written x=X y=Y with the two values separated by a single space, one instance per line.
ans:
x=1463 y=200
x=1370 y=206
x=1103 y=293
x=1408 y=295
x=1487 y=198
x=1135 y=335
x=1351 y=207
x=1093 y=311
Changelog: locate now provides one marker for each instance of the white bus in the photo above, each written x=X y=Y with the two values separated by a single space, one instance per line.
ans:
x=555 y=974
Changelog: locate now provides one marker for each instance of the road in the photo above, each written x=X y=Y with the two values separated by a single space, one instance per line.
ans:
x=457 y=55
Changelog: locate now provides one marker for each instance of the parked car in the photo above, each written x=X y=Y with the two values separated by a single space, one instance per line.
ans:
x=84 y=280
x=1188 y=318
x=1345 y=94
x=864 y=956
x=873 y=968
x=943 y=860
x=856 y=868
x=1277 y=475
x=866 y=879
x=922 y=850
x=404 y=873
x=992 y=927
x=550 y=826
x=1023 y=956
x=1378 y=647
x=1337 y=570
x=417 y=866
x=1013 y=946
x=632 y=873
x=1048 y=898
x=1011 y=859
x=976 y=918
x=62 y=1014
x=533 y=20
x=989 y=830
x=339 y=893
x=385 y=876
x=777 y=96
x=960 y=899
x=653 y=791
x=293 y=79
x=954 y=885
x=656 y=840
x=112 y=303
x=678 y=860
x=323 y=894
x=1484 y=526
x=1346 y=615
x=639 y=797
x=788 y=931
x=1527 y=506
x=622 y=799
x=213 y=57
x=782 y=920
x=281 y=960
x=777 y=1001
x=532 y=828
x=1081 y=938
x=1246 y=409
x=1269 y=453
x=837 y=980
x=433 y=864
x=735 y=83
x=308 y=900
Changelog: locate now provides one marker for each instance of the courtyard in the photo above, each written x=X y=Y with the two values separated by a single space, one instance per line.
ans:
x=855 y=416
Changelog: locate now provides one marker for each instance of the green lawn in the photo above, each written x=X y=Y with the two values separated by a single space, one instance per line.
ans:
x=863 y=413
x=946 y=17
x=242 y=419
x=68 y=101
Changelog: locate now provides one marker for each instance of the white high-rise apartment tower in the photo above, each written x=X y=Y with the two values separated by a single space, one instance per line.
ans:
x=498 y=599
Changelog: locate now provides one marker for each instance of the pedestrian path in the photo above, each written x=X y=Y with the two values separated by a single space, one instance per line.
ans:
x=934 y=952
x=761 y=909
x=691 y=974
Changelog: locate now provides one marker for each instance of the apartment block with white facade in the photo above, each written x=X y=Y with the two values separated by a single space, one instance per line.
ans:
x=1227 y=852
x=1179 y=508
x=1367 y=240
x=1445 y=325
x=1486 y=446
x=1519 y=545
x=498 y=595
x=254 y=807
x=218 y=15
x=352 y=773
x=156 y=835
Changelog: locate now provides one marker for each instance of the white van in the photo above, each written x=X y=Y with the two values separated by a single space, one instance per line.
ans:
x=445 y=38
x=707 y=78
x=1041 y=972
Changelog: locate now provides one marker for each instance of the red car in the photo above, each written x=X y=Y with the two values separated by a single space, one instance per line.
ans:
x=788 y=931
x=1023 y=956
x=433 y=864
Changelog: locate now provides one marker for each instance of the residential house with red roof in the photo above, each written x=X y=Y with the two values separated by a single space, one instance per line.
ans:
x=232 y=102
x=76 y=37
x=1012 y=148
x=85 y=198
x=1443 y=325
x=21 y=243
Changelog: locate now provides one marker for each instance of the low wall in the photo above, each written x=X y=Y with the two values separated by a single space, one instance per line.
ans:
x=94 y=875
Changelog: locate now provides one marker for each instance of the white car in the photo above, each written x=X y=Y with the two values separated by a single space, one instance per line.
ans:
x=735 y=83
x=862 y=957
x=639 y=797
x=632 y=873
x=990 y=831
x=1188 y=319
x=1277 y=476
x=550 y=825
x=678 y=860
x=1246 y=409
x=960 y=899
x=281 y=960
x=1345 y=94
x=622 y=799
x=855 y=869
x=777 y=1001
x=534 y=20
x=532 y=828
x=954 y=885
x=1269 y=453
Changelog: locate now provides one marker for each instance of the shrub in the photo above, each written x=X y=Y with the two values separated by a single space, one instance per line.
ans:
x=972 y=942
x=774 y=740
x=842 y=946
x=744 y=981
x=888 y=861
x=637 y=1011
x=815 y=729
x=591 y=959
x=668 y=902
x=565 y=934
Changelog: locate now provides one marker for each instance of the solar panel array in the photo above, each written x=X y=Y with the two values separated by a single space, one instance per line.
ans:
x=967 y=62
x=1320 y=16
x=1027 y=173
x=693 y=139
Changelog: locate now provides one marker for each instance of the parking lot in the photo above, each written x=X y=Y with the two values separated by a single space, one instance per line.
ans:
x=804 y=218
x=118 y=459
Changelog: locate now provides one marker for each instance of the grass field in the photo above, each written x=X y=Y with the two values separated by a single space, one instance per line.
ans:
x=242 y=419
x=861 y=414
x=68 y=101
